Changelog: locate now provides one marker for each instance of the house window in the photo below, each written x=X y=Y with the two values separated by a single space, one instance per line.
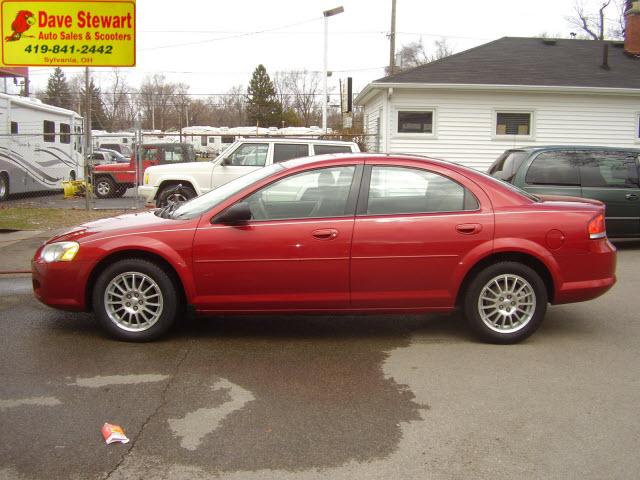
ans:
x=65 y=133
x=513 y=123
x=49 y=131
x=14 y=127
x=415 y=122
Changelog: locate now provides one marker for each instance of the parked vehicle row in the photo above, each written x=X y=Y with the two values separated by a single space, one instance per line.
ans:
x=352 y=233
x=177 y=183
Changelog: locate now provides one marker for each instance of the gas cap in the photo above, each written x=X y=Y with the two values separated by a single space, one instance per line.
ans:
x=555 y=239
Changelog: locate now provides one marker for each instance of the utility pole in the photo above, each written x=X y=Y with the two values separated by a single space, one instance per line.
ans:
x=392 y=40
x=87 y=135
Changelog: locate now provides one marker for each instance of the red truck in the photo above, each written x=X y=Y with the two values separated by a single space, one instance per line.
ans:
x=113 y=179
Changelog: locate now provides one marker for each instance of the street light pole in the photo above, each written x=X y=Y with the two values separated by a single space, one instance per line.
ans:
x=327 y=14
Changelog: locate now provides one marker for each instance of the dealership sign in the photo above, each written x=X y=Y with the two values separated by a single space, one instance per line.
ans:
x=98 y=33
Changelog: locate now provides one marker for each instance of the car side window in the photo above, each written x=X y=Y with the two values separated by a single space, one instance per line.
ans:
x=287 y=151
x=555 y=168
x=606 y=169
x=249 y=154
x=398 y=190
x=313 y=194
x=320 y=149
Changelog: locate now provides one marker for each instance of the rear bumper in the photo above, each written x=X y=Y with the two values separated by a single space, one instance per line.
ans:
x=597 y=274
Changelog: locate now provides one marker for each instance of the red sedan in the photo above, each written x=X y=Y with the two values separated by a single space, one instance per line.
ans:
x=351 y=233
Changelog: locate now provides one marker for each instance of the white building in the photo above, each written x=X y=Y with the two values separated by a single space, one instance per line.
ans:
x=470 y=107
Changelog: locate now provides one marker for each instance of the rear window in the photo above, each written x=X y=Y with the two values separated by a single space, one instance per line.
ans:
x=320 y=149
x=554 y=168
x=508 y=164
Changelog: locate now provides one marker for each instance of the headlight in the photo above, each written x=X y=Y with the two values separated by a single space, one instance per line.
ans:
x=60 y=252
x=146 y=179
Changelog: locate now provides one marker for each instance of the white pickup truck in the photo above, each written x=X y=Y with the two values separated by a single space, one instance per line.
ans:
x=178 y=182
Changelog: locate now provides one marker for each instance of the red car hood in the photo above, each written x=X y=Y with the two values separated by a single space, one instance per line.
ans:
x=128 y=223
x=113 y=167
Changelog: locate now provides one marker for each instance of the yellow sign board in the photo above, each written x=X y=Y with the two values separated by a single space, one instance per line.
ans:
x=98 y=33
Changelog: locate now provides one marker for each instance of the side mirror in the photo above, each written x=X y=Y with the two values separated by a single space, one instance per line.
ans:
x=234 y=215
x=226 y=161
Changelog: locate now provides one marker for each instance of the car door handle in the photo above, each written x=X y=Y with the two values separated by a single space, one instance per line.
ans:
x=469 y=228
x=325 y=234
x=631 y=196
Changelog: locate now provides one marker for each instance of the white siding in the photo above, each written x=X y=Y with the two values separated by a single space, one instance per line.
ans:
x=373 y=118
x=464 y=122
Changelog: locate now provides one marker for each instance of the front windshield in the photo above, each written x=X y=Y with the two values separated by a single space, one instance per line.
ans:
x=203 y=203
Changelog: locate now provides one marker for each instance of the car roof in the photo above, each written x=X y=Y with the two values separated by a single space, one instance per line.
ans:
x=537 y=148
x=295 y=140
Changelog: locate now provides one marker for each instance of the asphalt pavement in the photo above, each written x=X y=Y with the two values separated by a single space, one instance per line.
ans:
x=310 y=397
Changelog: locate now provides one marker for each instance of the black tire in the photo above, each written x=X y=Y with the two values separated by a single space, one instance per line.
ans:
x=171 y=195
x=488 y=317
x=117 y=320
x=72 y=175
x=104 y=187
x=4 y=186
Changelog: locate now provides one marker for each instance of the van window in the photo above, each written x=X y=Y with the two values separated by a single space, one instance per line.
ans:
x=609 y=169
x=508 y=163
x=228 y=139
x=554 y=168
x=287 y=151
x=49 y=131
x=212 y=139
x=65 y=133
x=249 y=154
x=320 y=149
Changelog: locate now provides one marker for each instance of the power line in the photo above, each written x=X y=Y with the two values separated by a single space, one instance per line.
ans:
x=210 y=40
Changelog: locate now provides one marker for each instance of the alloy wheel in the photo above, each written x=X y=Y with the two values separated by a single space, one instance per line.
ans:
x=507 y=303
x=133 y=301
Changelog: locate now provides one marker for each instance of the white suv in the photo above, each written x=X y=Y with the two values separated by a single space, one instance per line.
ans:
x=181 y=181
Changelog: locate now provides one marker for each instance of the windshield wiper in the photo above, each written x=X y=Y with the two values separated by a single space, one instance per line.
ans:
x=167 y=210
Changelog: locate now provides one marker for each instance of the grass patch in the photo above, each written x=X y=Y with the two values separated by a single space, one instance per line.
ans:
x=22 y=218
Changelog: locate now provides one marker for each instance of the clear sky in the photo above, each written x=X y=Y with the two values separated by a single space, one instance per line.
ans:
x=213 y=45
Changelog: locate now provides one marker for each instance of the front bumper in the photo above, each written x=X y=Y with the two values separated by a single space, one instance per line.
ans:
x=60 y=284
x=147 y=192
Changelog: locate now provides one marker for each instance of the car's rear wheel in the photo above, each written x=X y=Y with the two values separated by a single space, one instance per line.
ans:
x=175 y=194
x=135 y=300
x=505 y=302
x=104 y=187
x=4 y=186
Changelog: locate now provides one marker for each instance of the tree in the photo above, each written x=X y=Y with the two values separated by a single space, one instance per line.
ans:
x=263 y=106
x=98 y=119
x=119 y=110
x=57 y=92
x=300 y=89
x=415 y=54
x=593 y=25
x=156 y=101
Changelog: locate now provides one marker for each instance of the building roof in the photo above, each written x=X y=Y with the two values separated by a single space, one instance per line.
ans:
x=530 y=61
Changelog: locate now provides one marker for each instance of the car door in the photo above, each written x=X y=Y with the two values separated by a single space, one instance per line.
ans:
x=245 y=158
x=292 y=255
x=612 y=178
x=413 y=228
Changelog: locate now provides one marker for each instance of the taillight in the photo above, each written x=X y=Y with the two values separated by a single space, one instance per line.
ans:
x=596 y=227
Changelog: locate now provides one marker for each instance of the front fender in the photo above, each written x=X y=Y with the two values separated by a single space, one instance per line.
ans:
x=184 y=179
x=175 y=250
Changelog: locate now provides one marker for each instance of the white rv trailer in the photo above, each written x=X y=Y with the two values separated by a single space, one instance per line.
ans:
x=120 y=141
x=212 y=141
x=40 y=145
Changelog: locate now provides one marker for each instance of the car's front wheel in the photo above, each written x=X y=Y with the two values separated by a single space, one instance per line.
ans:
x=135 y=300
x=505 y=302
